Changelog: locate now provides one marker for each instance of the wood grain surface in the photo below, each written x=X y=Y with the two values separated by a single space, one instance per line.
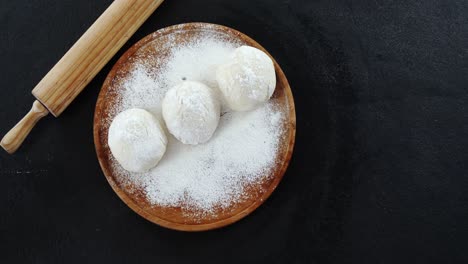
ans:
x=13 y=139
x=91 y=52
x=174 y=217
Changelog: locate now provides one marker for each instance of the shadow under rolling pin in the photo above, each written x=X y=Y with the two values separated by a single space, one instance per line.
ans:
x=81 y=64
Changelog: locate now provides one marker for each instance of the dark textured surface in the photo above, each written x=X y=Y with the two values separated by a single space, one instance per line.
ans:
x=379 y=173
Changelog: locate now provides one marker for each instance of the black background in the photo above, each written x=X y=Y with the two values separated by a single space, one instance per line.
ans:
x=379 y=172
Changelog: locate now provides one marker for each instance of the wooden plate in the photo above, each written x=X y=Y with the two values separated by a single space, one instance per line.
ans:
x=174 y=217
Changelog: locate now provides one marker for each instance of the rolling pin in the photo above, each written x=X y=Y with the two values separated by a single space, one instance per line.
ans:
x=81 y=63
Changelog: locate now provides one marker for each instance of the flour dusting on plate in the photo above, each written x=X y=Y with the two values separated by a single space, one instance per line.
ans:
x=210 y=176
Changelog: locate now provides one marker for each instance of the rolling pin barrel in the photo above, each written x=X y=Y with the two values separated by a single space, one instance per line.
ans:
x=83 y=61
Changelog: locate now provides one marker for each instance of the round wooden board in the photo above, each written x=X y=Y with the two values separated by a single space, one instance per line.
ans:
x=174 y=217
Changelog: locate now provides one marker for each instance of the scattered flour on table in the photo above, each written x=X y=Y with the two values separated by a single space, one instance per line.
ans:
x=241 y=153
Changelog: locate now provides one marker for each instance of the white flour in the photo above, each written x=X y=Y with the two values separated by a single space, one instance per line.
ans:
x=241 y=152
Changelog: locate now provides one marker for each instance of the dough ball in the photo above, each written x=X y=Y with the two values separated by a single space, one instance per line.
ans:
x=191 y=111
x=137 y=140
x=247 y=80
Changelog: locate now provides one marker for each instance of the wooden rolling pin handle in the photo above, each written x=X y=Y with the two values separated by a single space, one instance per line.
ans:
x=13 y=139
